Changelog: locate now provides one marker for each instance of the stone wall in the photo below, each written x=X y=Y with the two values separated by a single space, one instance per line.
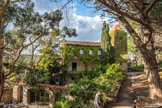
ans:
x=80 y=65
x=7 y=96
x=124 y=67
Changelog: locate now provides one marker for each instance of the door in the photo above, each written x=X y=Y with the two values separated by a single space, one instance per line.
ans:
x=74 y=66
x=21 y=94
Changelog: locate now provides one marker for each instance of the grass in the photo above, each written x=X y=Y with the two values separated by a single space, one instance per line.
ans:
x=141 y=67
x=138 y=67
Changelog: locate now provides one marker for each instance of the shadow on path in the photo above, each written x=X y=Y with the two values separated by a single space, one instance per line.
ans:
x=125 y=97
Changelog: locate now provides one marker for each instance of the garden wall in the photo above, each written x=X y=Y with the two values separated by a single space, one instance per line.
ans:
x=7 y=96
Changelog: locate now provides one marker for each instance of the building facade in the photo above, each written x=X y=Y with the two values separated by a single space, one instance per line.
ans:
x=82 y=56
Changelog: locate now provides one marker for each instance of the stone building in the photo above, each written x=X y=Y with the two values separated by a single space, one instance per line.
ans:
x=77 y=61
x=82 y=56
x=41 y=94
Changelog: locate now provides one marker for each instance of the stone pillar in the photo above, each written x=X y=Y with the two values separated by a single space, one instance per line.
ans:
x=25 y=95
x=52 y=97
x=15 y=94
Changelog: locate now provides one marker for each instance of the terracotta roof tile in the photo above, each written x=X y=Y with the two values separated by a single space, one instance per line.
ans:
x=54 y=86
x=116 y=27
x=83 y=43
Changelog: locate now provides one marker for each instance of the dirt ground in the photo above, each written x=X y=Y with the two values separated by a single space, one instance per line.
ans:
x=140 y=84
x=125 y=97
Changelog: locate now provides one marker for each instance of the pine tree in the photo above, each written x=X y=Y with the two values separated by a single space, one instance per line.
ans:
x=107 y=56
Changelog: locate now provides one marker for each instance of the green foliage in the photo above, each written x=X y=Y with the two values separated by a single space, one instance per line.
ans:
x=105 y=79
x=107 y=56
x=42 y=73
x=29 y=27
x=20 y=67
x=61 y=104
x=96 y=71
x=32 y=77
x=160 y=64
x=48 y=66
x=120 y=44
x=134 y=67
x=71 y=51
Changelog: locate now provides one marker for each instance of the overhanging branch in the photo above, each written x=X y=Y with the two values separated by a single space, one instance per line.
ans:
x=149 y=7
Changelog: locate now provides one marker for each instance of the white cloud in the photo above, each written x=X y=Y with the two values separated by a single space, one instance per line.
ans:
x=88 y=28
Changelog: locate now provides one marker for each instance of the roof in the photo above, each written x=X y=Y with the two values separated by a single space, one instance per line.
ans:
x=54 y=86
x=81 y=43
x=116 y=27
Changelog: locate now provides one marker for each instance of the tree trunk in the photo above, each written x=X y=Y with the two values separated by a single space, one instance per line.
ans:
x=148 y=53
x=1 y=59
x=152 y=73
x=150 y=64
x=153 y=80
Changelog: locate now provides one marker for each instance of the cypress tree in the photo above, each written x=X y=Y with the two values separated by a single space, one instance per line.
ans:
x=107 y=56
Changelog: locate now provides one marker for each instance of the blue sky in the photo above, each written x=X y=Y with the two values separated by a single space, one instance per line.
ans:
x=85 y=20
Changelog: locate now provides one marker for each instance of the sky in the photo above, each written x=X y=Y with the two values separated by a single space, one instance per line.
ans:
x=84 y=19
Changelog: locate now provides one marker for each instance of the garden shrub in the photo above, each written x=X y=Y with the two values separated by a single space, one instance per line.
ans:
x=61 y=104
x=101 y=78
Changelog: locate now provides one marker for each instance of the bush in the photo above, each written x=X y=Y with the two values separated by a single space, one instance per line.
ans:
x=101 y=78
x=61 y=104
x=96 y=71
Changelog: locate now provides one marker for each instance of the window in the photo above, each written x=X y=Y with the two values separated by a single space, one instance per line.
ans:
x=99 y=52
x=72 y=78
x=90 y=52
x=74 y=66
x=57 y=81
x=73 y=52
x=81 y=51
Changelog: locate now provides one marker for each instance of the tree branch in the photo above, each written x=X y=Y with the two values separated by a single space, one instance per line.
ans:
x=10 y=49
x=150 y=6
x=32 y=42
x=137 y=7
x=66 y=4
x=18 y=55
x=114 y=7
x=4 y=8
x=11 y=76
x=4 y=46
x=13 y=64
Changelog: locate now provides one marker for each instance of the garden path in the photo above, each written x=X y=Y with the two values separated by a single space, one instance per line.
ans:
x=125 y=97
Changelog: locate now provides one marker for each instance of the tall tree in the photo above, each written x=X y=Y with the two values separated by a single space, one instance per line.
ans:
x=107 y=56
x=140 y=13
x=29 y=27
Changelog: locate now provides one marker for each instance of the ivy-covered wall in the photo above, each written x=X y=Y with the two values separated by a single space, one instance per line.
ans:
x=74 y=50
x=119 y=41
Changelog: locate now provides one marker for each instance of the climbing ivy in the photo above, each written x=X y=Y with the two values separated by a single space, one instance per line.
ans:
x=71 y=51
x=119 y=41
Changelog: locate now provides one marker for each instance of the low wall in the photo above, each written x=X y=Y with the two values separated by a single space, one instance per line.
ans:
x=7 y=96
